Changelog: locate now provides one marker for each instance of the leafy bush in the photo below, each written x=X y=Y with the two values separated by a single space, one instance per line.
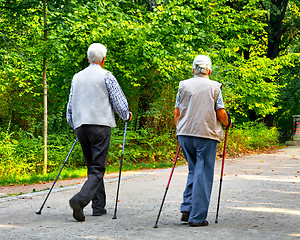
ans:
x=250 y=137
x=21 y=154
x=143 y=147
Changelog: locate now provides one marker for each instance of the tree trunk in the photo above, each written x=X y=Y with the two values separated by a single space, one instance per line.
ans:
x=144 y=104
x=275 y=22
x=45 y=92
x=152 y=5
x=275 y=19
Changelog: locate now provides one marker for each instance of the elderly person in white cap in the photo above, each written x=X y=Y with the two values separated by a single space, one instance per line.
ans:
x=94 y=97
x=199 y=114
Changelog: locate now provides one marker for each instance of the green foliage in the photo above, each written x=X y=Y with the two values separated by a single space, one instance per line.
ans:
x=149 y=52
x=143 y=148
x=251 y=85
x=21 y=154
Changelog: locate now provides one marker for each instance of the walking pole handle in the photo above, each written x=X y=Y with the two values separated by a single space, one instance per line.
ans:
x=229 y=120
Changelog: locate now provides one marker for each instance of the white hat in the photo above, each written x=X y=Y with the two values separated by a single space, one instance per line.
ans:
x=202 y=61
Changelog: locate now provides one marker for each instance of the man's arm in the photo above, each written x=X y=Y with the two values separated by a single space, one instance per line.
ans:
x=69 y=109
x=117 y=98
x=176 y=111
x=221 y=113
x=222 y=116
x=176 y=115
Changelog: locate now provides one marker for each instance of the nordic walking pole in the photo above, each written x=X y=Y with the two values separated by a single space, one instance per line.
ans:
x=121 y=163
x=222 y=169
x=40 y=211
x=175 y=160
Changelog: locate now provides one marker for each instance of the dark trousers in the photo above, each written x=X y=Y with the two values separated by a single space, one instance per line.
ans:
x=94 y=141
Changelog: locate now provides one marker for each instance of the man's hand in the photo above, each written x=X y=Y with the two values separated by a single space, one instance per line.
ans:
x=229 y=120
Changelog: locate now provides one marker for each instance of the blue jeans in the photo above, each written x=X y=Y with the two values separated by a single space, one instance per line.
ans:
x=200 y=154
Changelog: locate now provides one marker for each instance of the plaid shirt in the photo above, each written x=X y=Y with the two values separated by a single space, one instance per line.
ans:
x=116 y=97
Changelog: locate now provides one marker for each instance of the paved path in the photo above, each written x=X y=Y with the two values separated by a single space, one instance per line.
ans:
x=260 y=200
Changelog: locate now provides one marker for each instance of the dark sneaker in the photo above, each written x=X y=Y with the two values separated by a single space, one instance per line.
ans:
x=203 y=224
x=99 y=212
x=185 y=216
x=77 y=210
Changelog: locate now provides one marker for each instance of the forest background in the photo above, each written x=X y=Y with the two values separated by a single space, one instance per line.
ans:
x=255 y=51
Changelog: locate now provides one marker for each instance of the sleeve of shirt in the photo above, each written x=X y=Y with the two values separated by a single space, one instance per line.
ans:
x=69 y=108
x=116 y=97
x=177 y=100
x=219 y=102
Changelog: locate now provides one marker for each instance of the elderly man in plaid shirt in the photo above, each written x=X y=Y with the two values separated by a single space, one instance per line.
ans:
x=94 y=97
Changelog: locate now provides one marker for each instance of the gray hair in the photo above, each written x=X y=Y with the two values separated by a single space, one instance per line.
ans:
x=96 y=52
x=201 y=65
